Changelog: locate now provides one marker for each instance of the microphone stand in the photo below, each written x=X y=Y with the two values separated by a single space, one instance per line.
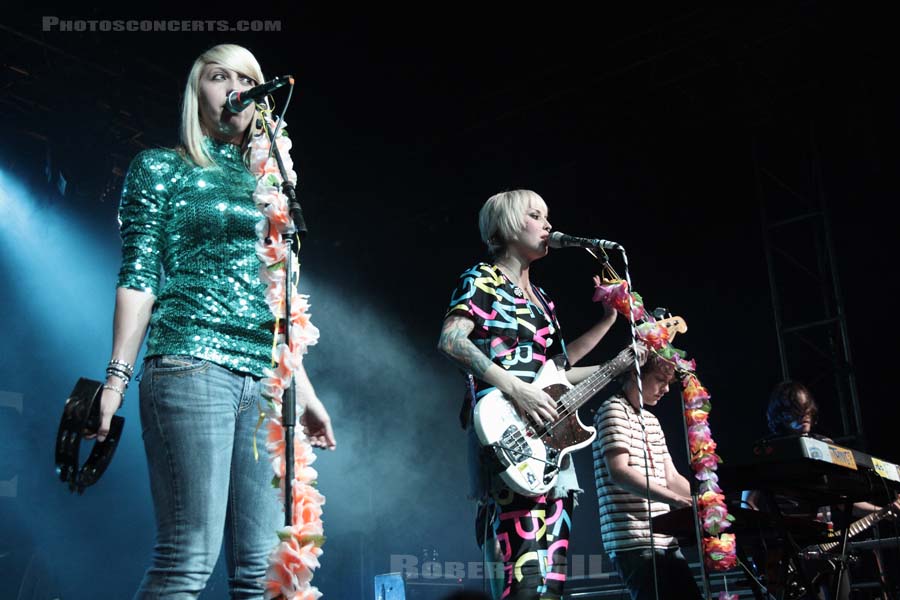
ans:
x=695 y=506
x=287 y=186
x=293 y=235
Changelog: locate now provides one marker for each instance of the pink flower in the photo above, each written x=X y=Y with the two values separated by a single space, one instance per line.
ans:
x=279 y=580
x=272 y=389
x=616 y=296
x=270 y=201
x=702 y=448
x=307 y=505
x=291 y=566
x=653 y=334
x=303 y=455
x=304 y=533
x=288 y=359
x=719 y=552
x=711 y=484
x=300 y=302
x=270 y=166
x=283 y=142
x=702 y=473
x=258 y=158
x=275 y=298
x=270 y=254
x=700 y=441
x=694 y=394
x=310 y=593
x=277 y=212
x=706 y=461
x=714 y=518
x=303 y=336
x=699 y=431
x=273 y=275
x=684 y=365
x=266 y=194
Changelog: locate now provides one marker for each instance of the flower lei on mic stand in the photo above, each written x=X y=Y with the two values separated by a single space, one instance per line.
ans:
x=296 y=556
x=718 y=547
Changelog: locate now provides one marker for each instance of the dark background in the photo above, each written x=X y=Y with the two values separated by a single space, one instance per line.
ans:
x=641 y=127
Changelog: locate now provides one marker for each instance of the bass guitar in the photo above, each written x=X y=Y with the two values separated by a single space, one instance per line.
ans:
x=530 y=456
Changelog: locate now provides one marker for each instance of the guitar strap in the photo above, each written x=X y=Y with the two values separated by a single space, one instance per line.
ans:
x=553 y=320
x=468 y=403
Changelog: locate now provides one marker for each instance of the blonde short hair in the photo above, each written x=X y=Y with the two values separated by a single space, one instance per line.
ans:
x=503 y=216
x=231 y=56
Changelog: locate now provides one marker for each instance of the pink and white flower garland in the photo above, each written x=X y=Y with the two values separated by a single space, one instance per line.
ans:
x=719 y=548
x=296 y=556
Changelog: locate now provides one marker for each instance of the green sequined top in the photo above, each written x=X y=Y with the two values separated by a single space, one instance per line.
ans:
x=188 y=237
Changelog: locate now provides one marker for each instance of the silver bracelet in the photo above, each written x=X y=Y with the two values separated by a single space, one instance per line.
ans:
x=120 y=375
x=115 y=362
x=117 y=369
x=114 y=388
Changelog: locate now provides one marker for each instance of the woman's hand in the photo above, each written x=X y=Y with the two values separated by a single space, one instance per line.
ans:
x=534 y=403
x=643 y=353
x=609 y=315
x=110 y=401
x=317 y=425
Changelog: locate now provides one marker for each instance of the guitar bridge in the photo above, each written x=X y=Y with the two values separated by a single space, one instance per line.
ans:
x=513 y=448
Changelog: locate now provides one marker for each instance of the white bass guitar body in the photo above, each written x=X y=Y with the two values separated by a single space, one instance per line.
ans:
x=530 y=455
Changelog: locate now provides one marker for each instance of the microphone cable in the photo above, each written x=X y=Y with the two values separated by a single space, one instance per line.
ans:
x=640 y=389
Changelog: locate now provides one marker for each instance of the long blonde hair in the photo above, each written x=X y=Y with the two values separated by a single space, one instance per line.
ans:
x=231 y=56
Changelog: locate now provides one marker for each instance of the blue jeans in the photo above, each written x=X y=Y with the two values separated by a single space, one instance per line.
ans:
x=198 y=421
x=676 y=581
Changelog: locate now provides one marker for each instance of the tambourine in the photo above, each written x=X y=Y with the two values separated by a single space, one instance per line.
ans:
x=81 y=415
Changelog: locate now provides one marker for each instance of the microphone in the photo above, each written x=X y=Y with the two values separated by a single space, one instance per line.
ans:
x=238 y=101
x=559 y=239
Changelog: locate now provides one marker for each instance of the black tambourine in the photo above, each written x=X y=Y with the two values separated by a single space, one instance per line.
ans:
x=81 y=415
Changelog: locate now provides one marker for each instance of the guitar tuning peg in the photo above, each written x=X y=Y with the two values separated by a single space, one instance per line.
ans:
x=660 y=313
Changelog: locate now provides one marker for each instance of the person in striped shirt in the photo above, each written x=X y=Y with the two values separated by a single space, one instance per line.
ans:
x=630 y=448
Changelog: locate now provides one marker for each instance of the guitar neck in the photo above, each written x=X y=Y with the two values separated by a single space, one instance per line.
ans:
x=596 y=381
x=860 y=525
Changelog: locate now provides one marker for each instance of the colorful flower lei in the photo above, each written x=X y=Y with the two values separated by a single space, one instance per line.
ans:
x=718 y=547
x=296 y=555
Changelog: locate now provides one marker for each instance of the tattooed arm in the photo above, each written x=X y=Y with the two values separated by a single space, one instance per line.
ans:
x=455 y=343
x=528 y=398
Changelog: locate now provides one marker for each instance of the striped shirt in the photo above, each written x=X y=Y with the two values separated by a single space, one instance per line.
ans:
x=624 y=524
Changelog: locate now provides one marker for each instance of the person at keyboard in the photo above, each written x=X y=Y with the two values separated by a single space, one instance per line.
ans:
x=792 y=411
